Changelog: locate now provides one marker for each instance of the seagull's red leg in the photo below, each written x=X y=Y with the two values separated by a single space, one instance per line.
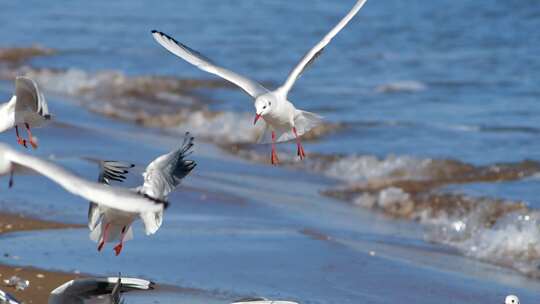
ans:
x=104 y=238
x=118 y=248
x=20 y=141
x=30 y=137
x=300 y=149
x=275 y=159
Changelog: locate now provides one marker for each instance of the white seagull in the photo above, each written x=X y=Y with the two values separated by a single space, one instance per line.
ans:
x=89 y=290
x=283 y=120
x=96 y=290
x=6 y=298
x=261 y=301
x=161 y=177
x=511 y=299
x=27 y=108
x=13 y=161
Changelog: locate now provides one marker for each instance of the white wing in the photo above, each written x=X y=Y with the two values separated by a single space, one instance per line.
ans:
x=88 y=289
x=166 y=172
x=261 y=301
x=251 y=87
x=310 y=57
x=6 y=298
x=113 y=197
x=29 y=97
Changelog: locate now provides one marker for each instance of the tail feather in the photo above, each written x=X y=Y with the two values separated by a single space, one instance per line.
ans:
x=115 y=232
x=152 y=221
x=304 y=121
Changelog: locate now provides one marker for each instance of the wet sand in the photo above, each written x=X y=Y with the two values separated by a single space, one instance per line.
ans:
x=41 y=282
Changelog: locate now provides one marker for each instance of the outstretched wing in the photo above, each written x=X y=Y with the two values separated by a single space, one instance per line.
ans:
x=251 y=87
x=108 y=171
x=29 y=97
x=113 y=197
x=316 y=51
x=166 y=172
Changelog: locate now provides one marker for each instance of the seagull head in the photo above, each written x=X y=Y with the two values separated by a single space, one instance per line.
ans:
x=263 y=105
x=511 y=299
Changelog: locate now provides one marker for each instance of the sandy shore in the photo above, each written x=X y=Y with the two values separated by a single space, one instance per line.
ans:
x=41 y=282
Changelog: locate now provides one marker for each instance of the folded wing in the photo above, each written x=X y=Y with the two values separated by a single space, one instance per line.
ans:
x=29 y=97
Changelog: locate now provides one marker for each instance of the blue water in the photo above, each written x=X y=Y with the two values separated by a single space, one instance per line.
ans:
x=468 y=89
x=477 y=61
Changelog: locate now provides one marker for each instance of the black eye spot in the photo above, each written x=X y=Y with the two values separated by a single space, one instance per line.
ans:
x=269 y=103
x=264 y=107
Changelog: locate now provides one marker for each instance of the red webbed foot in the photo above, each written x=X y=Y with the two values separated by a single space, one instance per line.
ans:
x=118 y=249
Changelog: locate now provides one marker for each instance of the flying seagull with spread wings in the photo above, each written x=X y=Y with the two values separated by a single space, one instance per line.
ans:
x=27 y=108
x=161 y=177
x=283 y=120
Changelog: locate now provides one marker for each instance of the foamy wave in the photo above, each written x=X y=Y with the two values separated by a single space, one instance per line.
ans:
x=152 y=101
x=496 y=231
x=409 y=86
x=510 y=239
x=363 y=168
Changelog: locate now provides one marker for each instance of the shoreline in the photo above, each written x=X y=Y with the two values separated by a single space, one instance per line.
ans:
x=42 y=282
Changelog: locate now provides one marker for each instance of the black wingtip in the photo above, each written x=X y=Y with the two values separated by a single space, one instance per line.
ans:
x=155 y=32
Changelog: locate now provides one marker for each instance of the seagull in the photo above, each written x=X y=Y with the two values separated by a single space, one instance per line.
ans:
x=283 y=120
x=161 y=177
x=511 y=299
x=261 y=301
x=96 y=290
x=6 y=298
x=27 y=108
x=12 y=161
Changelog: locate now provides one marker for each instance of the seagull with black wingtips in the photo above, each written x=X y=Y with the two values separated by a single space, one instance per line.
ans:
x=283 y=121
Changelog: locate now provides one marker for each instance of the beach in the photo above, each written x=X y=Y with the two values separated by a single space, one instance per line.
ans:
x=42 y=282
x=421 y=185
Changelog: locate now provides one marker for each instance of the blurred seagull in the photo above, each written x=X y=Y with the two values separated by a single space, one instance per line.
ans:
x=12 y=161
x=283 y=120
x=96 y=290
x=27 y=108
x=261 y=301
x=511 y=299
x=161 y=177
x=6 y=298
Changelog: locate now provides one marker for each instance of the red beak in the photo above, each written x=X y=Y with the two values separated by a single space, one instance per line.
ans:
x=257 y=116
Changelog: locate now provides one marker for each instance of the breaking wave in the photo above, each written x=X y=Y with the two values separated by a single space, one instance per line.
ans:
x=154 y=101
x=502 y=232
x=497 y=231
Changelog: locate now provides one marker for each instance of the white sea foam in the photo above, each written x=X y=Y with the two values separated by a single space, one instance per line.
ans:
x=512 y=240
x=365 y=167
x=226 y=127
